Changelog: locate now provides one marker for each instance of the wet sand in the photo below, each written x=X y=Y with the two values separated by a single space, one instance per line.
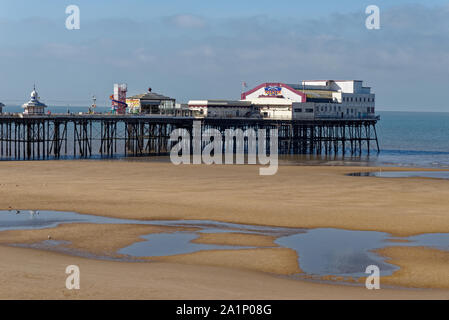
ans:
x=95 y=239
x=279 y=261
x=236 y=239
x=420 y=267
x=297 y=196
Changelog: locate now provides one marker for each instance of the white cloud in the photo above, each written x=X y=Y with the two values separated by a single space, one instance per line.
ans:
x=187 y=21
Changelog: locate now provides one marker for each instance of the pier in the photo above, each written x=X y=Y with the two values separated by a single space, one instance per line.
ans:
x=39 y=137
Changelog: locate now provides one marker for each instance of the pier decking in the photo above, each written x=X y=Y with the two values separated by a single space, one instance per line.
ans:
x=84 y=136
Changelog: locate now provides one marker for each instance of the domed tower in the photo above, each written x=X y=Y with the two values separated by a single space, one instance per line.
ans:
x=34 y=106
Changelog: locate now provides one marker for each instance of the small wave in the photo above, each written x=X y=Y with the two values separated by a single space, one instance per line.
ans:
x=412 y=152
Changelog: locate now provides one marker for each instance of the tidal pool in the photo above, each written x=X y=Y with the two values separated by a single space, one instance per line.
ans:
x=403 y=174
x=339 y=252
x=321 y=251
x=167 y=244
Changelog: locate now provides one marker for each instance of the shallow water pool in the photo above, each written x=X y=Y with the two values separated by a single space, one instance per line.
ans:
x=403 y=174
x=322 y=251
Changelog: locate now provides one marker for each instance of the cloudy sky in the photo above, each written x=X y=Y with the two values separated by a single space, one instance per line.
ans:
x=198 y=49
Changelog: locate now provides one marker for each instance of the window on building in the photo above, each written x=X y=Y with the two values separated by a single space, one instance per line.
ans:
x=298 y=110
x=309 y=110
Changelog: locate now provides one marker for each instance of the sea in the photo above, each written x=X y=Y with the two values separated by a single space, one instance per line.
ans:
x=406 y=139
x=419 y=139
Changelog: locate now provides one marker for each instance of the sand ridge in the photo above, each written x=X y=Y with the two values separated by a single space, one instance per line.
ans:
x=297 y=196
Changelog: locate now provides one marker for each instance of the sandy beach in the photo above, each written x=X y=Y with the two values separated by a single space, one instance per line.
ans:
x=297 y=196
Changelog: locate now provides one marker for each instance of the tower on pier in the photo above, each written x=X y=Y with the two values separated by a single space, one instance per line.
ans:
x=34 y=106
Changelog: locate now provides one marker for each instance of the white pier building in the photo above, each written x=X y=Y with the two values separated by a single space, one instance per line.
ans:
x=311 y=99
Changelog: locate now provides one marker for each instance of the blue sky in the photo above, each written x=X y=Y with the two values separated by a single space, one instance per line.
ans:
x=195 y=49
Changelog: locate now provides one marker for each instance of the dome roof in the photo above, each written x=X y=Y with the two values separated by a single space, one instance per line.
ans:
x=34 y=94
x=34 y=101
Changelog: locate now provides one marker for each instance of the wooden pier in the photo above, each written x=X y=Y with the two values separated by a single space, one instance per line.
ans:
x=85 y=136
